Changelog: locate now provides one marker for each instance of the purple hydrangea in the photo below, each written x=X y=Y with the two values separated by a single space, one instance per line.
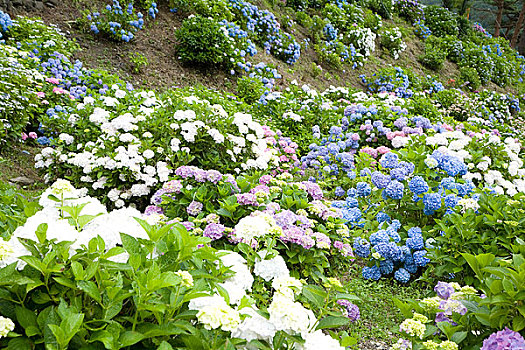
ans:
x=173 y=186
x=153 y=209
x=194 y=208
x=213 y=176
x=247 y=199
x=298 y=236
x=185 y=171
x=504 y=340
x=213 y=231
x=444 y=290
x=265 y=179
x=351 y=310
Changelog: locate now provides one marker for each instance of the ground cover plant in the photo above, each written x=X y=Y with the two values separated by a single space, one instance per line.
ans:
x=281 y=216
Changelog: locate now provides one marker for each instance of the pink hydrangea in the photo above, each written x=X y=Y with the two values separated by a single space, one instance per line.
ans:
x=370 y=151
x=33 y=135
x=53 y=81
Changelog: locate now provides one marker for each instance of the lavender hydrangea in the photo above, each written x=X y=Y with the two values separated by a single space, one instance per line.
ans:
x=351 y=310
x=504 y=340
x=213 y=231
x=194 y=208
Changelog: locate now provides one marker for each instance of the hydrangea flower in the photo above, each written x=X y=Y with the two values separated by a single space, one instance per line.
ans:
x=504 y=340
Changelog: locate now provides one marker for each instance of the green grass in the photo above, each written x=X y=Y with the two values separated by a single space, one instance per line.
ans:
x=379 y=315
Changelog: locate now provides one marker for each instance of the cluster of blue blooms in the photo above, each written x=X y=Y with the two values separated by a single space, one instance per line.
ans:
x=358 y=111
x=399 y=83
x=267 y=31
x=388 y=253
x=117 y=23
x=5 y=23
x=334 y=153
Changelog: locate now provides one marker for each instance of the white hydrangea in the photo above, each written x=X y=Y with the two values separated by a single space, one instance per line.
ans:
x=287 y=286
x=6 y=326
x=213 y=313
x=251 y=227
x=318 y=340
x=254 y=326
x=289 y=316
x=270 y=269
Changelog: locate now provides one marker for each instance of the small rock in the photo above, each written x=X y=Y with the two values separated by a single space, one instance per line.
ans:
x=22 y=180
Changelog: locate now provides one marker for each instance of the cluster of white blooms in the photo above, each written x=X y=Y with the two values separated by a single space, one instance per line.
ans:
x=271 y=268
x=318 y=340
x=251 y=227
x=6 y=326
x=130 y=152
x=293 y=116
x=107 y=225
x=363 y=39
x=241 y=281
x=501 y=170
x=285 y=313
x=218 y=314
x=393 y=40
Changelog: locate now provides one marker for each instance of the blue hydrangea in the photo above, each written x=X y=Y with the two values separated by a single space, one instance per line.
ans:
x=420 y=259
x=352 y=202
x=418 y=185
x=352 y=215
x=451 y=200
x=371 y=273
x=363 y=189
x=396 y=253
x=339 y=192
x=378 y=237
x=361 y=247
x=351 y=192
x=409 y=264
x=394 y=235
x=432 y=202
x=396 y=224
x=383 y=249
x=415 y=242
x=380 y=180
x=398 y=174
x=448 y=183
x=386 y=267
x=365 y=172
x=394 y=190
x=402 y=275
x=389 y=160
x=407 y=167
x=382 y=217
x=465 y=189
x=414 y=232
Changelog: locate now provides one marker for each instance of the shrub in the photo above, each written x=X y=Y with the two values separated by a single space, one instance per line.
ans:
x=493 y=226
x=469 y=77
x=478 y=59
x=392 y=41
x=115 y=22
x=441 y=21
x=249 y=89
x=204 y=41
x=410 y=10
x=435 y=53
x=382 y=7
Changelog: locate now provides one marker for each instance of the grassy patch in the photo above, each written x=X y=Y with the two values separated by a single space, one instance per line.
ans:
x=379 y=316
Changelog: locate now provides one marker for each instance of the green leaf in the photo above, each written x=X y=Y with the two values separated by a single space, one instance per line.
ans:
x=518 y=323
x=129 y=338
x=165 y=346
x=315 y=295
x=41 y=232
x=458 y=337
x=333 y=322
x=25 y=317
x=91 y=289
x=20 y=343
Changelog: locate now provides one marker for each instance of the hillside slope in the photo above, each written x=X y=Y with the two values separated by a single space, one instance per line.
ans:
x=157 y=44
